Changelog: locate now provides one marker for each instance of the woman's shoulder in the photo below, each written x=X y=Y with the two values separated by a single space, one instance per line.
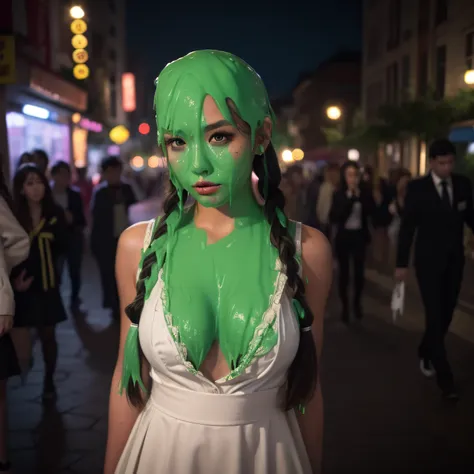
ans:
x=135 y=236
x=316 y=248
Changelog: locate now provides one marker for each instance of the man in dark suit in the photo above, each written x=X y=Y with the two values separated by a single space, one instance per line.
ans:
x=109 y=207
x=436 y=207
x=70 y=200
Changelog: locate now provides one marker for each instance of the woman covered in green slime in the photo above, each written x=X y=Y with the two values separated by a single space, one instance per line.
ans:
x=220 y=331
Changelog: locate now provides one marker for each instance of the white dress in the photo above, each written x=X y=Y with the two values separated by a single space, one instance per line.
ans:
x=191 y=425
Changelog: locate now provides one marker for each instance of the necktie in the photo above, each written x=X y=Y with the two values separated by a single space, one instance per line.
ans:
x=445 y=195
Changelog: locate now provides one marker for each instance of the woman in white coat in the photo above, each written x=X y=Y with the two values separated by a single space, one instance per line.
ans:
x=14 y=248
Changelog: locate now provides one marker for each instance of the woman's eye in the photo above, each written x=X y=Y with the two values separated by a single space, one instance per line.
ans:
x=175 y=142
x=221 y=138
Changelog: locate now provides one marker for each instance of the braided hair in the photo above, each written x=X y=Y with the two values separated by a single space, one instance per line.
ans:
x=302 y=375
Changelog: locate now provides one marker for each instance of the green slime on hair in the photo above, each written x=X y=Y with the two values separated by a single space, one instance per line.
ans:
x=227 y=292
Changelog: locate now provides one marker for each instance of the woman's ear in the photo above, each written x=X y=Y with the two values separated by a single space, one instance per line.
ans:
x=263 y=136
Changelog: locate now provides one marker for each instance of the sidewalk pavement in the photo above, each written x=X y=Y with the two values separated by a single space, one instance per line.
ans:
x=381 y=416
x=463 y=319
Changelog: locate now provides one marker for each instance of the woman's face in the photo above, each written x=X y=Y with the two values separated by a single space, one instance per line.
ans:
x=402 y=184
x=352 y=177
x=33 y=188
x=215 y=164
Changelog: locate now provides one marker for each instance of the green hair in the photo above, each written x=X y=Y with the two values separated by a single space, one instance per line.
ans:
x=221 y=75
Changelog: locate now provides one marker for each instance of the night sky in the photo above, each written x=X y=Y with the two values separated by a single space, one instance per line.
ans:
x=279 y=42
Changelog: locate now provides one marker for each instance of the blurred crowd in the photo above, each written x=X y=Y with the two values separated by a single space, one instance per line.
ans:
x=368 y=234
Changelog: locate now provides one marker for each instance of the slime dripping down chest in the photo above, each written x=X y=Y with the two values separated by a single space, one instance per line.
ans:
x=219 y=293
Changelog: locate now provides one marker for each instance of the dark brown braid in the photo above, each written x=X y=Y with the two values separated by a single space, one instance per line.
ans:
x=134 y=309
x=303 y=372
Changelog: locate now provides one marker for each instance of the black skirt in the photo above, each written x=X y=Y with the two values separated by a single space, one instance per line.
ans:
x=8 y=360
x=38 y=309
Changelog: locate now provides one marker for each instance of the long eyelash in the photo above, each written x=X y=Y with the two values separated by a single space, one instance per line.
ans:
x=227 y=135
x=170 y=141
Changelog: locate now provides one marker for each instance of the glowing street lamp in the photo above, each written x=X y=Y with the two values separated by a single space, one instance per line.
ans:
x=76 y=12
x=297 y=154
x=287 y=156
x=469 y=77
x=334 y=112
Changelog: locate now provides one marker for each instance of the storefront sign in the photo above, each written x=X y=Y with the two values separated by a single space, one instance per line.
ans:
x=7 y=60
x=78 y=27
x=58 y=89
x=79 y=42
x=90 y=125
x=129 y=103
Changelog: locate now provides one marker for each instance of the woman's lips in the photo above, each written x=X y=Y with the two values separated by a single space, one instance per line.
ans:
x=205 y=188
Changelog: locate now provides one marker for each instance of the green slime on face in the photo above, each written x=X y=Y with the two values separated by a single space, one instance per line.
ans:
x=228 y=291
x=181 y=89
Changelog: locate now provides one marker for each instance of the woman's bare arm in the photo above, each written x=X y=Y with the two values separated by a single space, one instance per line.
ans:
x=122 y=415
x=317 y=275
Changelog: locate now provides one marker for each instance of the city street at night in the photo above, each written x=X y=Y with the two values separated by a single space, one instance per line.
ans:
x=381 y=415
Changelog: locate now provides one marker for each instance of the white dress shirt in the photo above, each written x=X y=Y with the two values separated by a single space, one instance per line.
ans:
x=439 y=187
x=354 y=222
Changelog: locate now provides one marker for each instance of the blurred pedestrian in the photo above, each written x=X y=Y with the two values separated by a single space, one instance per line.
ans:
x=350 y=214
x=437 y=206
x=14 y=248
x=36 y=281
x=109 y=207
x=69 y=199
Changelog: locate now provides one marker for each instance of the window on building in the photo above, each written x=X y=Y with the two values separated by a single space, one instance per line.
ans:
x=470 y=50
x=112 y=31
x=440 y=71
x=97 y=45
x=373 y=45
x=112 y=55
x=424 y=15
x=374 y=99
x=112 y=5
x=441 y=11
x=394 y=23
x=405 y=77
x=392 y=84
x=113 y=100
x=423 y=74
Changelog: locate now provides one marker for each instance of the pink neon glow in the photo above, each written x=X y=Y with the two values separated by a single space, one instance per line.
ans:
x=90 y=125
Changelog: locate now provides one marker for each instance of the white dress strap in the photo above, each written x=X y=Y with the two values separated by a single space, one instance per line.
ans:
x=298 y=238
x=148 y=234
x=298 y=246
x=147 y=241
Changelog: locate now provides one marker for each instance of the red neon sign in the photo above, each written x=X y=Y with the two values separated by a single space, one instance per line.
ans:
x=129 y=103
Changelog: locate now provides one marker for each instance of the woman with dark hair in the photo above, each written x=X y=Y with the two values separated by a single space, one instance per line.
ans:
x=39 y=303
x=351 y=209
x=218 y=335
x=14 y=248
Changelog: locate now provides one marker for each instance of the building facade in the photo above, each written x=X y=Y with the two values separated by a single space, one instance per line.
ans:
x=334 y=83
x=410 y=48
x=36 y=102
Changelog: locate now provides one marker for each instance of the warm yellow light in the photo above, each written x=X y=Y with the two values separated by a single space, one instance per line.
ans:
x=78 y=27
x=287 y=156
x=153 y=161
x=76 y=118
x=119 y=134
x=79 y=42
x=297 y=154
x=469 y=77
x=80 y=56
x=76 y=12
x=80 y=71
x=334 y=112
x=137 y=162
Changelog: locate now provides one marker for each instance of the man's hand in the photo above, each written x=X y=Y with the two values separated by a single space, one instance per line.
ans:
x=401 y=274
x=6 y=323
x=21 y=283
